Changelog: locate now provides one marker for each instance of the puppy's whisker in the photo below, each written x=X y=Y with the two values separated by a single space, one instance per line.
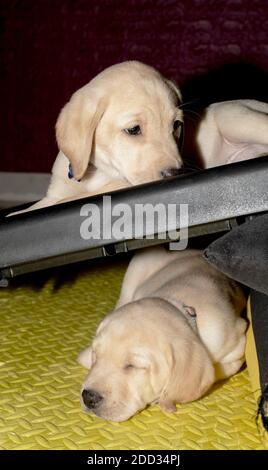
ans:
x=192 y=112
x=186 y=103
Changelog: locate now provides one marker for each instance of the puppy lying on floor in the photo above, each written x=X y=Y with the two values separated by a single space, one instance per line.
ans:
x=176 y=329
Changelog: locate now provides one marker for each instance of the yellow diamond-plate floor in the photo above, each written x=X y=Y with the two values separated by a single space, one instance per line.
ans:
x=45 y=320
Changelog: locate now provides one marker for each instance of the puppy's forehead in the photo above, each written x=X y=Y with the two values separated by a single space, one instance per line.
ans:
x=140 y=320
x=113 y=331
x=118 y=331
x=123 y=336
x=144 y=111
x=133 y=89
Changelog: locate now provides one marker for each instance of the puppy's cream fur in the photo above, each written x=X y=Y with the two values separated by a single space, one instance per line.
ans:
x=91 y=133
x=151 y=348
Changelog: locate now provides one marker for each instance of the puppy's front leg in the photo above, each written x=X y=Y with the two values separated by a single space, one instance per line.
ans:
x=45 y=202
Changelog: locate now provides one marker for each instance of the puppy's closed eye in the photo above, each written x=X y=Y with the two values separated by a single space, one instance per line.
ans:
x=132 y=368
x=129 y=366
x=138 y=362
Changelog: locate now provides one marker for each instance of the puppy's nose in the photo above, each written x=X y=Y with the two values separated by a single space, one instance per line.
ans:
x=91 y=398
x=167 y=172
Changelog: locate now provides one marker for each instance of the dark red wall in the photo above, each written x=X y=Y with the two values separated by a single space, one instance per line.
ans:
x=49 y=48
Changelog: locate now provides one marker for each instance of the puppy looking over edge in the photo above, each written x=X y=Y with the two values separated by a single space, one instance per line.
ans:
x=176 y=329
x=123 y=128
x=119 y=130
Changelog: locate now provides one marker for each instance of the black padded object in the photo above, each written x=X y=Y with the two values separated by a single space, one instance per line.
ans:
x=259 y=315
x=242 y=254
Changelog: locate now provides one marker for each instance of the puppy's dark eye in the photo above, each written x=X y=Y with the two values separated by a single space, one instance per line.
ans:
x=136 y=130
x=177 y=125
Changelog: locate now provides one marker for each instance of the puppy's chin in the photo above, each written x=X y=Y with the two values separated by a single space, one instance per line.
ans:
x=112 y=414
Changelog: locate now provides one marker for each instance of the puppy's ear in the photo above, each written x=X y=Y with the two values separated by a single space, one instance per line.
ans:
x=191 y=373
x=85 y=357
x=175 y=89
x=76 y=125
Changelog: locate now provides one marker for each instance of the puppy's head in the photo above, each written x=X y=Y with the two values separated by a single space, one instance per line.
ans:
x=127 y=122
x=144 y=352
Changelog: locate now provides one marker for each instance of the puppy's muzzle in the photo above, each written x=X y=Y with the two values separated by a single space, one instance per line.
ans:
x=167 y=172
x=91 y=398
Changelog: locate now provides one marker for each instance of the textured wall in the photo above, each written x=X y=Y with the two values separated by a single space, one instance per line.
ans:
x=49 y=48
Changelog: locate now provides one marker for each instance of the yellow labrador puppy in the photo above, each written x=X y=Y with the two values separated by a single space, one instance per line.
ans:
x=176 y=329
x=123 y=129
x=119 y=130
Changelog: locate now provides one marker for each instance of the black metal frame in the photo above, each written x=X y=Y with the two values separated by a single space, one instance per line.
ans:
x=218 y=199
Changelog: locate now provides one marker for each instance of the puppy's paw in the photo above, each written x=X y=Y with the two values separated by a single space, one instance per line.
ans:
x=168 y=406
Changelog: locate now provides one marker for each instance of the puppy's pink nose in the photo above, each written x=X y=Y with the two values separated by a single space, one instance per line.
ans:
x=91 y=398
x=167 y=172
